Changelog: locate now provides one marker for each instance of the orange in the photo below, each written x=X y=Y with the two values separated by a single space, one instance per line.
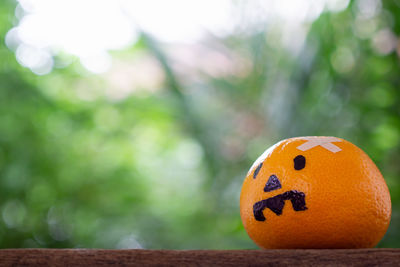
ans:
x=315 y=192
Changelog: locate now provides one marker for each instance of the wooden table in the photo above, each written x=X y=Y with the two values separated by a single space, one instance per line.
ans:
x=136 y=257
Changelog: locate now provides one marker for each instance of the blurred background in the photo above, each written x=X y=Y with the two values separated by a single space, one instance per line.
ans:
x=132 y=124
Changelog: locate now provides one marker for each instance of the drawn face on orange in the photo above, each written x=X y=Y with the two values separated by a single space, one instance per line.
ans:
x=315 y=192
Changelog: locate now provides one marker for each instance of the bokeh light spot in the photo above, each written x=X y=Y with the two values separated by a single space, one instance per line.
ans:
x=343 y=60
x=13 y=213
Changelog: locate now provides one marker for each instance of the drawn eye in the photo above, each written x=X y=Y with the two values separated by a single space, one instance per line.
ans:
x=257 y=170
x=299 y=162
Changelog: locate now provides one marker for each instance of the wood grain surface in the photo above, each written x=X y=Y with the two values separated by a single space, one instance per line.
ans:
x=100 y=257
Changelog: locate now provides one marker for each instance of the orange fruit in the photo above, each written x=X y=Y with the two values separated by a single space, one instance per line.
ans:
x=315 y=192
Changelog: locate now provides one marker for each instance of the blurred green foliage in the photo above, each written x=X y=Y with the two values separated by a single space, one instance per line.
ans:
x=163 y=168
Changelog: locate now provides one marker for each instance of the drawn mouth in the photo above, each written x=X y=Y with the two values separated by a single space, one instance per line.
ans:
x=277 y=203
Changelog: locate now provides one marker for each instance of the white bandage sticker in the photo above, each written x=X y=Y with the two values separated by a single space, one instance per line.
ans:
x=325 y=142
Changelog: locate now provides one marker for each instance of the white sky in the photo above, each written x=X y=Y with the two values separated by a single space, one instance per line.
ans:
x=89 y=29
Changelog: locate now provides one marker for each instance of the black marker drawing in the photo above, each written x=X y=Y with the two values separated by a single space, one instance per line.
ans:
x=257 y=170
x=272 y=184
x=277 y=203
